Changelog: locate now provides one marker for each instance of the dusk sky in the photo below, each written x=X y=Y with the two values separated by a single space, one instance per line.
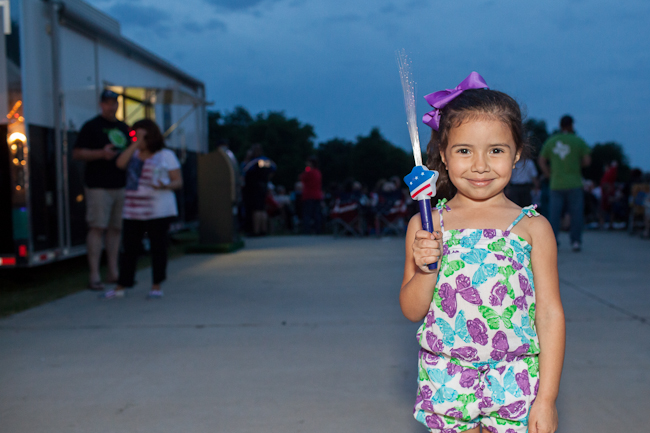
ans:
x=332 y=64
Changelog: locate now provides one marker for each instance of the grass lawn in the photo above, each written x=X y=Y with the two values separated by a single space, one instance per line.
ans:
x=23 y=288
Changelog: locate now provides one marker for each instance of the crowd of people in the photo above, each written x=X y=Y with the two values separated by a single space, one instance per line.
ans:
x=268 y=209
x=616 y=205
x=311 y=209
x=572 y=202
x=553 y=182
x=130 y=178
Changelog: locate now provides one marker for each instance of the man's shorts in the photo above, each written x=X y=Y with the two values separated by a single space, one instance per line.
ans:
x=104 y=208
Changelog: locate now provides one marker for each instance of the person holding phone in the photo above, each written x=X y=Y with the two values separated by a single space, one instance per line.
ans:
x=153 y=174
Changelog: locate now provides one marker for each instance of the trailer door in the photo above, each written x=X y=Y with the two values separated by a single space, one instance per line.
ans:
x=6 y=227
x=78 y=66
x=78 y=78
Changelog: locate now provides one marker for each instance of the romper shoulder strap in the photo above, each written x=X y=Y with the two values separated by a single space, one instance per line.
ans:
x=442 y=204
x=529 y=211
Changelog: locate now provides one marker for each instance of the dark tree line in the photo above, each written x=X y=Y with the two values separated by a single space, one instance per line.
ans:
x=369 y=158
x=289 y=143
x=286 y=141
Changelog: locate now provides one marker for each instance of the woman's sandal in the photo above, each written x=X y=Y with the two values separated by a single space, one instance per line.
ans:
x=112 y=294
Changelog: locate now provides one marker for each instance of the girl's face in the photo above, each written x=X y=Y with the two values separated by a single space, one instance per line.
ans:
x=480 y=155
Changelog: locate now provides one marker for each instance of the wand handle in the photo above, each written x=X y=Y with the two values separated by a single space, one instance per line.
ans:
x=427 y=222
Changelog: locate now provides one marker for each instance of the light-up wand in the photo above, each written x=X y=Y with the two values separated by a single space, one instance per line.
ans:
x=421 y=181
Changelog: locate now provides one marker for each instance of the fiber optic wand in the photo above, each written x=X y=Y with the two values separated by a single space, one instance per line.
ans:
x=421 y=181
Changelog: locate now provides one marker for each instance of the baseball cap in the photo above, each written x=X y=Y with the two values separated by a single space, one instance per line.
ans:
x=108 y=94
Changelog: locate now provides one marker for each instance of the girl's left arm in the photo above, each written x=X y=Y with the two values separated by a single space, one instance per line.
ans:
x=550 y=326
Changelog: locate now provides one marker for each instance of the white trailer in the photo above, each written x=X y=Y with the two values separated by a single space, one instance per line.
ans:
x=56 y=57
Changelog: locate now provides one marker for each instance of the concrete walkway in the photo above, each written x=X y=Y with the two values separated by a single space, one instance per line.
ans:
x=299 y=334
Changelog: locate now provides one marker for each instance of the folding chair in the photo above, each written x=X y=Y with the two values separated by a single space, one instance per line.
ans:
x=344 y=217
x=393 y=220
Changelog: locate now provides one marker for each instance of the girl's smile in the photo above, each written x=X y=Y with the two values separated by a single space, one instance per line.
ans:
x=479 y=157
x=480 y=182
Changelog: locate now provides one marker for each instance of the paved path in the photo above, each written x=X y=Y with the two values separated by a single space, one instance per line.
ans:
x=299 y=334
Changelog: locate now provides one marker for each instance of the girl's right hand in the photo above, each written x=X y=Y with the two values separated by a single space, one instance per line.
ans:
x=427 y=249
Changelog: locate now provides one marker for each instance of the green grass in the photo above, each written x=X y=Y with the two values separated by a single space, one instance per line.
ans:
x=24 y=288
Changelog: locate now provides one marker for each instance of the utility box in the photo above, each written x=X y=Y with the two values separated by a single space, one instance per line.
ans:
x=219 y=196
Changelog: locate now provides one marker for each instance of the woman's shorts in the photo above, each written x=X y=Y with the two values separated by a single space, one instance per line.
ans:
x=455 y=396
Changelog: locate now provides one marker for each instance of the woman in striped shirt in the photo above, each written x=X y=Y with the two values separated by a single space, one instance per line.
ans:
x=153 y=173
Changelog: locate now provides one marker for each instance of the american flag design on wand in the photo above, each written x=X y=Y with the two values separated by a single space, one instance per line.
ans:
x=421 y=182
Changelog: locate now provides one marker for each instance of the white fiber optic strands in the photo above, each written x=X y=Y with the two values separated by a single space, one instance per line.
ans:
x=408 y=86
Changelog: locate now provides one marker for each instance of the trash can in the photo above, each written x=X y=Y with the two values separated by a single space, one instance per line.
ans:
x=219 y=193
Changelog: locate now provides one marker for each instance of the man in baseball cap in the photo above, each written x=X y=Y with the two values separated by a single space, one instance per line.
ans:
x=98 y=144
x=108 y=95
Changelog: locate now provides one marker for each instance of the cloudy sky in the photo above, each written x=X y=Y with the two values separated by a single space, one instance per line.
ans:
x=332 y=63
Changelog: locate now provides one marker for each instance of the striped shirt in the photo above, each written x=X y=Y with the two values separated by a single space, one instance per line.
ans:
x=142 y=200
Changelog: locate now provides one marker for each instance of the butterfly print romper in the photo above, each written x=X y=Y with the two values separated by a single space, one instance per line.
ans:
x=478 y=359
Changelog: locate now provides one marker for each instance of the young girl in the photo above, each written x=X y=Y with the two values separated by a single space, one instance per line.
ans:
x=492 y=341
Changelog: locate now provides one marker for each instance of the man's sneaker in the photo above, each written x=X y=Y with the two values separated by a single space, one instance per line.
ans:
x=155 y=294
x=576 y=247
x=112 y=294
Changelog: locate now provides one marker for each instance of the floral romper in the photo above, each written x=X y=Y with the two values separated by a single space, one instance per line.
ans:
x=478 y=360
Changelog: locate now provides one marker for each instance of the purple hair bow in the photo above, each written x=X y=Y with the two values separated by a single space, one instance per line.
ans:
x=441 y=98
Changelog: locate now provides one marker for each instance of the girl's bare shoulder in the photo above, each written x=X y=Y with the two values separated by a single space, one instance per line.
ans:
x=535 y=229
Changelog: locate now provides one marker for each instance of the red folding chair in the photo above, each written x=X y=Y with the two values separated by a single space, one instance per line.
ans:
x=345 y=217
x=393 y=220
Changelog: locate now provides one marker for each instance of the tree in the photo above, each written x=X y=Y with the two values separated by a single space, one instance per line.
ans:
x=601 y=155
x=232 y=127
x=537 y=134
x=286 y=141
x=335 y=160
x=289 y=143
x=375 y=158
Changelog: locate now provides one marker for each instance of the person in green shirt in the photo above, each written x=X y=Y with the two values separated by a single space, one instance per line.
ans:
x=561 y=159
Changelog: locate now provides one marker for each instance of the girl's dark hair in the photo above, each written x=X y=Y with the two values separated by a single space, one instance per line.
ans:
x=155 y=139
x=473 y=104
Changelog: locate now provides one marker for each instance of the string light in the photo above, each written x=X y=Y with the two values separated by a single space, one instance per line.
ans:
x=16 y=136
x=14 y=110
